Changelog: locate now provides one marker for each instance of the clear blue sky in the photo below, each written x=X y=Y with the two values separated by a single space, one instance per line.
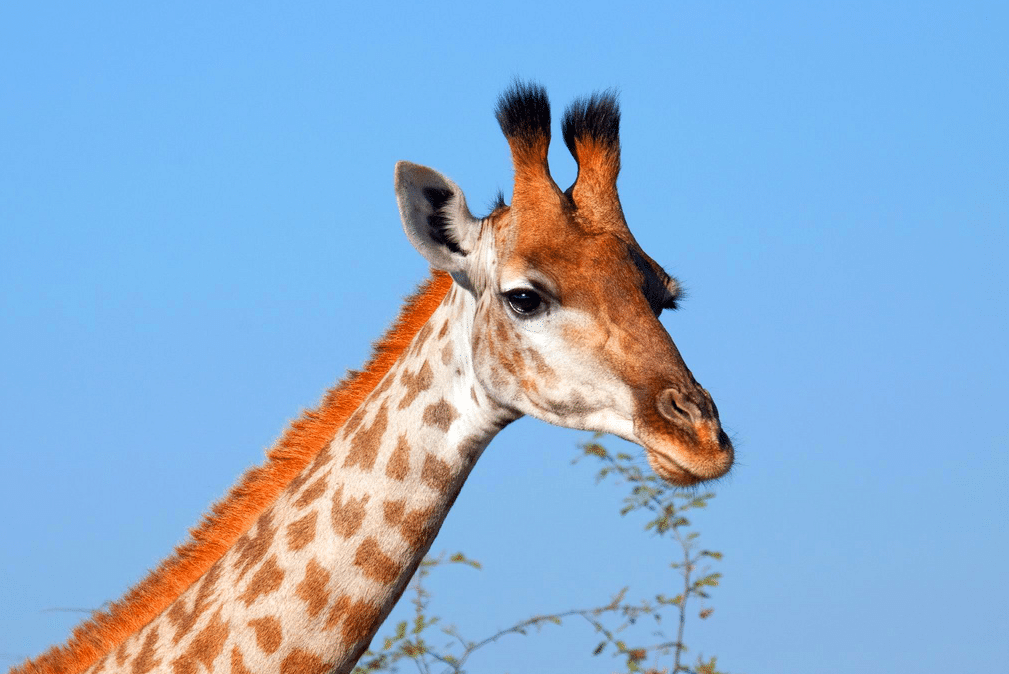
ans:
x=198 y=235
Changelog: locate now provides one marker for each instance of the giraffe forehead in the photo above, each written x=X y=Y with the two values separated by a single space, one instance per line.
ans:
x=573 y=261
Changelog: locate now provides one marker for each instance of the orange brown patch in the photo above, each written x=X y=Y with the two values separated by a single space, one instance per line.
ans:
x=313 y=590
x=415 y=527
x=205 y=647
x=383 y=385
x=238 y=663
x=375 y=564
x=348 y=516
x=301 y=532
x=436 y=473
x=268 y=634
x=121 y=654
x=321 y=459
x=440 y=415
x=418 y=341
x=303 y=662
x=317 y=489
x=399 y=462
x=251 y=549
x=183 y=620
x=145 y=660
x=357 y=619
x=354 y=422
x=415 y=384
x=393 y=511
x=364 y=446
x=266 y=581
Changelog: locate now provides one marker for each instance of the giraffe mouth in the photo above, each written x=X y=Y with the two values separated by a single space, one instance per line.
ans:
x=688 y=458
x=669 y=470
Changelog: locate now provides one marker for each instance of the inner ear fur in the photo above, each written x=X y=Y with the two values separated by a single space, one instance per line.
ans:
x=435 y=216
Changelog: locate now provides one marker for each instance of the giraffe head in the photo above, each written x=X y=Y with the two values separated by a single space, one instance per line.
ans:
x=564 y=321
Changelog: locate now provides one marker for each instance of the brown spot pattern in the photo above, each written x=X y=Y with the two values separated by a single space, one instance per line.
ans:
x=364 y=446
x=184 y=620
x=238 y=663
x=317 y=489
x=418 y=342
x=383 y=385
x=251 y=549
x=267 y=580
x=414 y=526
x=121 y=653
x=357 y=618
x=145 y=660
x=303 y=662
x=348 y=516
x=205 y=648
x=375 y=564
x=440 y=415
x=313 y=590
x=353 y=423
x=436 y=473
x=393 y=511
x=268 y=634
x=321 y=459
x=446 y=353
x=301 y=532
x=399 y=462
x=444 y=330
x=415 y=384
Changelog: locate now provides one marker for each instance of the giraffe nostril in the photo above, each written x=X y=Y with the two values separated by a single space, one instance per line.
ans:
x=677 y=408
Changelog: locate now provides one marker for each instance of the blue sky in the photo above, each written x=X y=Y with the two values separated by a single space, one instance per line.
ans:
x=198 y=235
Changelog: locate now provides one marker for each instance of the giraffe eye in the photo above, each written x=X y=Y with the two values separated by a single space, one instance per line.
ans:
x=524 y=302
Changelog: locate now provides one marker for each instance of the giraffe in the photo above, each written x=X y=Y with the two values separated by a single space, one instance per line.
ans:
x=546 y=307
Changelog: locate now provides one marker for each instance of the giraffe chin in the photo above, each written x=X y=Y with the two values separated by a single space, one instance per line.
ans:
x=686 y=463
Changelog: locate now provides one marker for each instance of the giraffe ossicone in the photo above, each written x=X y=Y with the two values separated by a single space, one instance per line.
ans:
x=546 y=307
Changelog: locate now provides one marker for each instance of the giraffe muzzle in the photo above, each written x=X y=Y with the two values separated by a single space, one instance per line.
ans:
x=692 y=447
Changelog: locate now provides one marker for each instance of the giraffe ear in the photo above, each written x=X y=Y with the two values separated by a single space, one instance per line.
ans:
x=435 y=216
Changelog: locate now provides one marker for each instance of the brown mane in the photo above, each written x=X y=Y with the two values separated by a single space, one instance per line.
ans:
x=233 y=515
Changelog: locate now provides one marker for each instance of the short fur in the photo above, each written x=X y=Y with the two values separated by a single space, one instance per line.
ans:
x=255 y=491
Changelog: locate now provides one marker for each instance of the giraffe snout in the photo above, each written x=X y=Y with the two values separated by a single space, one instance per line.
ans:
x=687 y=444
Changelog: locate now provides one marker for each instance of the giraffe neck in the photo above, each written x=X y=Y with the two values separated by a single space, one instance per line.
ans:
x=306 y=588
